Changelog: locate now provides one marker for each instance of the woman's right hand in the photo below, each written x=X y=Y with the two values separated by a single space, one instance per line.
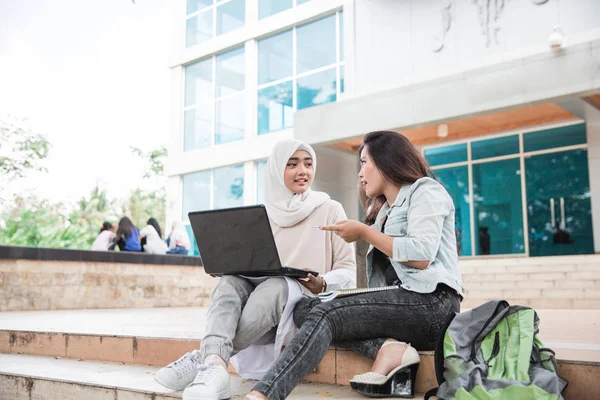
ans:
x=349 y=230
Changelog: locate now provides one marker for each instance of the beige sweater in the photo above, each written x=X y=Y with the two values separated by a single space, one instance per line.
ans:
x=303 y=246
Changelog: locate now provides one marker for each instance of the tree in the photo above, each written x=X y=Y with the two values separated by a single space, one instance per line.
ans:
x=21 y=150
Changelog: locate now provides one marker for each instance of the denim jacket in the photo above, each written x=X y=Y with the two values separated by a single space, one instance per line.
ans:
x=421 y=221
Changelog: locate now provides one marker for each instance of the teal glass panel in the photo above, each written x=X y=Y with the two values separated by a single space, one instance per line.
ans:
x=231 y=16
x=194 y=245
x=197 y=127
x=555 y=137
x=230 y=74
x=495 y=147
x=229 y=187
x=197 y=5
x=559 y=207
x=316 y=89
x=260 y=181
x=498 y=207
x=229 y=119
x=198 y=82
x=275 y=58
x=267 y=8
x=342 y=76
x=275 y=108
x=341 y=33
x=456 y=182
x=196 y=193
x=316 y=43
x=199 y=28
x=446 y=155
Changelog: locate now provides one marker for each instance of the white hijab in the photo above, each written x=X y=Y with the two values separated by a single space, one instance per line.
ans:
x=285 y=207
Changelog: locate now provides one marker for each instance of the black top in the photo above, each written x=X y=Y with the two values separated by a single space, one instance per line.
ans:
x=383 y=262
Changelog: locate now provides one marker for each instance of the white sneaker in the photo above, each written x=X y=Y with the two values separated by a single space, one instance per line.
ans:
x=211 y=383
x=179 y=374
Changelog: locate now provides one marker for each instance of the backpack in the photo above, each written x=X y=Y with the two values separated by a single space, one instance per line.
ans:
x=493 y=352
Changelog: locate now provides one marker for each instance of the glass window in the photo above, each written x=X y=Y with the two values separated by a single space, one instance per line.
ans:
x=342 y=71
x=197 y=5
x=269 y=7
x=196 y=193
x=199 y=28
x=316 y=44
x=260 y=181
x=341 y=33
x=194 y=245
x=275 y=108
x=198 y=82
x=316 y=89
x=197 y=128
x=498 y=207
x=495 y=147
x=229 y=119
x=456 y=182
x=231 y=16
x=446 y=155
x=229 y=186
x=275 y=59
x=557 y=137
x=230 y=72
x=302 y=1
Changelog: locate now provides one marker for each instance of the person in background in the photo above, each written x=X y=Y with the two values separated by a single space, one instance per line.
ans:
x=151 y=238
x=128 y=236
x=106 y=238
x=178 y=241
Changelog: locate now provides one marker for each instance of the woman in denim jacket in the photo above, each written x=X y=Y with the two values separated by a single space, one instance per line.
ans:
x=412 y=245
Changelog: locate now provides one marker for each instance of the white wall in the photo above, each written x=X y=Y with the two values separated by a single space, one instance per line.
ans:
x=398 y=42
x=592 y=117
x=337 y=175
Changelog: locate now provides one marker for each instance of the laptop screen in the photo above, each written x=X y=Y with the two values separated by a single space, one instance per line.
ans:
x=235 y=240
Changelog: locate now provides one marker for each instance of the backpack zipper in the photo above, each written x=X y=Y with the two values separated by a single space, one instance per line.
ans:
x=473 y=352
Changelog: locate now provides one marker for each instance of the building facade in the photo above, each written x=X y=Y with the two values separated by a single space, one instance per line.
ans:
x=502 y=98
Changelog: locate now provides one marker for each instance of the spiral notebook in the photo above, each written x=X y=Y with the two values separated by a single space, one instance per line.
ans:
x=333 y=294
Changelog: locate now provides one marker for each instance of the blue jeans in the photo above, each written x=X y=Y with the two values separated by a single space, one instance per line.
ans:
x=178 y=250
x=361 y=323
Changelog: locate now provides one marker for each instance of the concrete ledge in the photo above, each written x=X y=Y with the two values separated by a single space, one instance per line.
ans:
x=31 y=284
x=48 y=254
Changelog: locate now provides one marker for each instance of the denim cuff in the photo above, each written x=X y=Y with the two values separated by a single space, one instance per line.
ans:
x=214 y=346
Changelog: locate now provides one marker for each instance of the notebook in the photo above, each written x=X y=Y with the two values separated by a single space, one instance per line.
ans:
x=333 y=294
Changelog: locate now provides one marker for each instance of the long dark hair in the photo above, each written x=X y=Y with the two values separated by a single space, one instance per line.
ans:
x=105 y=226
x=154 y=223
x=125 y=227
x=398 y=161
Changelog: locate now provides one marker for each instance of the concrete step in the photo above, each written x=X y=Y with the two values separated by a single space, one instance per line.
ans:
x=25 y=377
x=169 y=333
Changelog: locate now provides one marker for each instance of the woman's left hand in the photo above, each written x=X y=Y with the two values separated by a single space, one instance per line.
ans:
x=312 y=283
x=349 y=230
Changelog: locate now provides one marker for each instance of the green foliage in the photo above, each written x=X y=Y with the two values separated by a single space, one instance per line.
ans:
x=21 y=150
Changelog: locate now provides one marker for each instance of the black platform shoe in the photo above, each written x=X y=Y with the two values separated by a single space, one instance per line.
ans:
x=400 y=382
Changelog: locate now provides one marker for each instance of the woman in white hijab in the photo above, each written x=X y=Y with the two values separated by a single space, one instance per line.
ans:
x=256 y=315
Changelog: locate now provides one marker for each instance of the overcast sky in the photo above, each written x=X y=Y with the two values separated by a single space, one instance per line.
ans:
x=94 y=77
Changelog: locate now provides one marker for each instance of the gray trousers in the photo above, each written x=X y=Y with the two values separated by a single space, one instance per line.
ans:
x=242 y=313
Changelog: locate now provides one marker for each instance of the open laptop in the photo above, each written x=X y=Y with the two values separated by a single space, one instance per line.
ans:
x=239 y=241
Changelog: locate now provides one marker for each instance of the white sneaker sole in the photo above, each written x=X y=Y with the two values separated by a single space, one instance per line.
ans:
x=225 y=394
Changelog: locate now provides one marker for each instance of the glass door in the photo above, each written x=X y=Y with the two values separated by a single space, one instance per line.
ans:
x=559 y=204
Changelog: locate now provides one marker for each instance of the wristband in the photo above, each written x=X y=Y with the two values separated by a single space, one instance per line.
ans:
x=323 y=285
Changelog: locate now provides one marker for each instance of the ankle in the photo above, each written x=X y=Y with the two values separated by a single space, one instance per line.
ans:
x=215 y=359
x=389 y=357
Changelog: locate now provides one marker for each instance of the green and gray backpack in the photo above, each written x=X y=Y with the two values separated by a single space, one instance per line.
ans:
x=493 y=352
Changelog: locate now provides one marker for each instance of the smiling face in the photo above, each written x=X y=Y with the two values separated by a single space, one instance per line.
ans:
x=371 y=180
x=299 y=172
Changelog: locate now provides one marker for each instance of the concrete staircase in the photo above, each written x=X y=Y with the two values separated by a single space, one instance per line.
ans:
x=82 y=354
x=566 y=282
